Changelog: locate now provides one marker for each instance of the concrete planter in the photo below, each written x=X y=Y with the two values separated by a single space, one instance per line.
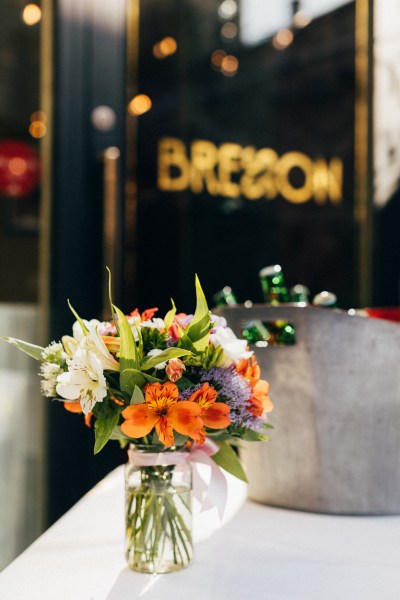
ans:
x=336 y=440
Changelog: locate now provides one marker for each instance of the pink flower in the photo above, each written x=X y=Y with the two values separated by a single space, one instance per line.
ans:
x=174 y=369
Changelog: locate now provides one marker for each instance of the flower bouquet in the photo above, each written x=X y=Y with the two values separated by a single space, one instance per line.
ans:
x=176 y=391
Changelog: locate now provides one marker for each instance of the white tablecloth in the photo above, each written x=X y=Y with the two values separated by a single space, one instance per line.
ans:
x=259 y=553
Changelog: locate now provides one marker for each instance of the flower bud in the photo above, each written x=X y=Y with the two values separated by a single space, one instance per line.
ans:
x=174 y=369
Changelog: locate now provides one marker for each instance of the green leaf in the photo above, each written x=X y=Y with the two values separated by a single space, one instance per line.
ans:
x=215 y=357
x=151 y=379
x=199 y=333
x=186 y=343
x=111 y=301
x=169 y=317
x=227 y=458
x=103 y=429
x=130 y=378
x=30 y=349
x=255 y=436
x=77 y=317
x=149 y=362
x=117 y=434
x=128 y=353
x=137 y=396
x=199 y=328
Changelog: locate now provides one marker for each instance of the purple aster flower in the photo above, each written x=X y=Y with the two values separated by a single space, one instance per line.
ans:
x=232 y=388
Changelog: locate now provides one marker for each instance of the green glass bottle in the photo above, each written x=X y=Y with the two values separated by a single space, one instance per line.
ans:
x=255 y=332
x=275 y=292
x=325 y=300
x=273 y=285
x=285 y=334
x=224 y=297
x=300 y=293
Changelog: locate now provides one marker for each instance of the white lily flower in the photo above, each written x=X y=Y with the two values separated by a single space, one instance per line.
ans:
x=94 y=343
x=234 y=348
x=84 y=381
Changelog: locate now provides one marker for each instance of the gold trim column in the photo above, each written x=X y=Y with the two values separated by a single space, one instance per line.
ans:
x=46 y=157
x=363 y=148
x=130 y=250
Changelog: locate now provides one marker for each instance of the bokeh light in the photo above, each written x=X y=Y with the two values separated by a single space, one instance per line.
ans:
x=31 y=14
x=227 y=9
x=282 y=39
x=139 y=105
x=229 y=65
x=229 y=31
x=166 y=47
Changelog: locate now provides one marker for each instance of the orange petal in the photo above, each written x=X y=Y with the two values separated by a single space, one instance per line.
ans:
x=148 y=314
x=267 y=404
x=204 y=396
x=154 y=391
x=184 y=416
x=261 y=388
x=165 y=432
x=139 y=420
x=74 y=407
x=216 y=417
x=260 y=396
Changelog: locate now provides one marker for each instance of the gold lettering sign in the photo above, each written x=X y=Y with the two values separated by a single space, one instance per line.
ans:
x=231 y=171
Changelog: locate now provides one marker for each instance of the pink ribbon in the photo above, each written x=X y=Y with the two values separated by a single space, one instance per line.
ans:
x=209 y=495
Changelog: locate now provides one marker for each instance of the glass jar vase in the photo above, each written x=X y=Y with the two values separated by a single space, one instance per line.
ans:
x=158 y=492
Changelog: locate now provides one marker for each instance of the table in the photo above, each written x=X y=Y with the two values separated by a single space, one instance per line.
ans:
x=259 y=552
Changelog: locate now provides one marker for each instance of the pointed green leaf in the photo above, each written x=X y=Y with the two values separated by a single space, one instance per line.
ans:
x=111 y=301
x=169 y=317
x=199 y=333
x=227 y=458
x=199 y=328
x=186 y=343
x=149 y=362
x=30 y=349
x=103 y=429
x=129 y=378
x=140 y=340
x=77 y=317
x=137 y=396
x=128 y=353
x=151 y=379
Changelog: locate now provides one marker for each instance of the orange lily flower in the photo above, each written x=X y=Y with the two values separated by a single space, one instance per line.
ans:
x=146 y=315
x=213 y=414
x=260 y=401
x=163 y=410
x=249 y=368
